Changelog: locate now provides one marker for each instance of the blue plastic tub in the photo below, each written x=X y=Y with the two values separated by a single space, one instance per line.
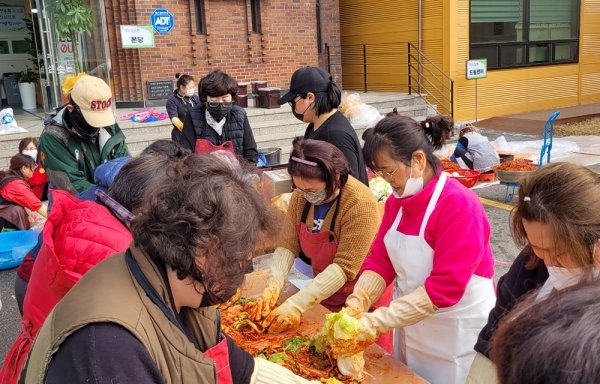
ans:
x=14 y=246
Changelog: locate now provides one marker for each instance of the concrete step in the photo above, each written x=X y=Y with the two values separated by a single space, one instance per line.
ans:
x=271 y=127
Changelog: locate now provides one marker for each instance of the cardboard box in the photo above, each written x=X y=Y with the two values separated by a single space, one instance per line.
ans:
x=275 y=183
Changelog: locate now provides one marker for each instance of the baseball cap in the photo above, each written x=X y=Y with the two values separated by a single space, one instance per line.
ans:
x=304 y=80
x=94 y=98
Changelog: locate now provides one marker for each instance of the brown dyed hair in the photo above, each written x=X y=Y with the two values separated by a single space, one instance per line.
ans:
x=17 y=162
x=566 y=198
x=26 y=141
x=551 y=341
x=201 y=208
x=217 y=83
x=330 y=162
x=402 y=136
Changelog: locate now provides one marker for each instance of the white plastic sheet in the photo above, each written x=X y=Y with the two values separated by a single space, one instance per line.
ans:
x=532 y=148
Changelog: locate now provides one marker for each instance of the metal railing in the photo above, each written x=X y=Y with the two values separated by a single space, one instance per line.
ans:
x=428 y=74
x=392 y=67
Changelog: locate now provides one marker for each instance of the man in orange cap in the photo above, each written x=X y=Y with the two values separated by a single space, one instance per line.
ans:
x=82 y=135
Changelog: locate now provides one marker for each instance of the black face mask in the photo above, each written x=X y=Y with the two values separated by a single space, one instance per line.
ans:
x=299 y=116
x=219 y=110
x=81 y=127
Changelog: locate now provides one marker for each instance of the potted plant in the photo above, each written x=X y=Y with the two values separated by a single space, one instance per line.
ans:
x=73 y=18
x=27 y=80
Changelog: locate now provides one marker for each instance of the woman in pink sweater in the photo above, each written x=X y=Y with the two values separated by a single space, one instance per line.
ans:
x=435 y=241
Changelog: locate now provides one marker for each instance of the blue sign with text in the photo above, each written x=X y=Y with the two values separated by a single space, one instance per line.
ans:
x=162 y=21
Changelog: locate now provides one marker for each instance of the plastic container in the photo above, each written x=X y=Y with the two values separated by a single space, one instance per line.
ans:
x=14 y=246
x=467 y=177
x=272 y=155
x=487 y=177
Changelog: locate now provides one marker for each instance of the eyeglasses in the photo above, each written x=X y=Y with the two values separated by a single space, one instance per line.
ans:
x=386 y=175
x=308 y=195
x=215 y=104
x=293 y=102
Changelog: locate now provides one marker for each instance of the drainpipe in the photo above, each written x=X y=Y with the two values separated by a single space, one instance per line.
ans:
x=419 y=38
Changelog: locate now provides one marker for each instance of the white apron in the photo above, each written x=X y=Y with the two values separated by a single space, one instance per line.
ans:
x=441 y=347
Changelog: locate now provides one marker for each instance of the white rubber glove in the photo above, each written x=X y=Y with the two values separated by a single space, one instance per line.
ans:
x=266 y=372
x=283 y=260
x=402 y=312
x=483 y=371
x=289 y=314
x=368 y=289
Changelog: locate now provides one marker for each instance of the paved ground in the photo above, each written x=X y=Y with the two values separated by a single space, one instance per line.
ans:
x=498 y=214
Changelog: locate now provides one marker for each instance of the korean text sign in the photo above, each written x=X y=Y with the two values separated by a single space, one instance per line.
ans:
x=137 y=36
x=476 y=69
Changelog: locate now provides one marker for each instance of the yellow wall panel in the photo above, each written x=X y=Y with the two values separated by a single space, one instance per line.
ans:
x=511 y=91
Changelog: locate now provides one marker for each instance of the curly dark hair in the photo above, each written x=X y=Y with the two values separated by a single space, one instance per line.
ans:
x=203 y=220
x=217 y=83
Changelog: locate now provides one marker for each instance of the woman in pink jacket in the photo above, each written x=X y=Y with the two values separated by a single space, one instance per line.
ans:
x=435 y=241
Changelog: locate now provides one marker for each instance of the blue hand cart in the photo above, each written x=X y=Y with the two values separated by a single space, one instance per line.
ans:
x=511 y=188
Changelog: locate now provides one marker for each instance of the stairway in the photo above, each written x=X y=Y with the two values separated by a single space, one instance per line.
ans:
x=271 y=127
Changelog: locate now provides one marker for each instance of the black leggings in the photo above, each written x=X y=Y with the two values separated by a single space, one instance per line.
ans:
x=461 y=153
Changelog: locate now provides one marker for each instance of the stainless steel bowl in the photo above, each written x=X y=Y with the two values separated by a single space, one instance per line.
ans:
x=513 y=177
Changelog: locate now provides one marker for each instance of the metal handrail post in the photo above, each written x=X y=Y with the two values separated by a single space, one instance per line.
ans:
x=365 y=66
x=409 y=74
x=452 y=99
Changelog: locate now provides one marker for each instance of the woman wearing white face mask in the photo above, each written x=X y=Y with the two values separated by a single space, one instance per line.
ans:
x=178 y=105
x=331 y=222
x=557 y=221
x=434 y=241
x=39 y=180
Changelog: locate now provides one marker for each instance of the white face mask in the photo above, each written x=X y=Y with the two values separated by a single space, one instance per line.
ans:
x=31 y=152
x=561 y=278
x=412 y=187
x=190 y=92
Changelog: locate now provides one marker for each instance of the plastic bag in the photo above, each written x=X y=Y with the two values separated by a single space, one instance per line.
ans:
x=361 y=116
x=282 y=202
x=228 y=158
x=148 y=117
x=9 y=124
x=130 y=115
x=349 y=101
x=531 y=149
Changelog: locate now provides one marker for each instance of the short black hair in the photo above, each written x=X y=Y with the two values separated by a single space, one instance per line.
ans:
x=326 y=101
x=217 y=83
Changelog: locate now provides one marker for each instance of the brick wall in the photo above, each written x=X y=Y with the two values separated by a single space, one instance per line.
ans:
x=287 y=41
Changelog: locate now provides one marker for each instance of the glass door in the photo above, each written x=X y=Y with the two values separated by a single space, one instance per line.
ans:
x=57 y=59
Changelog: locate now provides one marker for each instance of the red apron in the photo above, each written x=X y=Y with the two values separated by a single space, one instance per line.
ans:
x=205 y=147
x=321 y=249
x=220 y=354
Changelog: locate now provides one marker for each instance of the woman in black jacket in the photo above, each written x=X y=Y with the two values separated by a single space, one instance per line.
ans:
x=314 y=99
x=557 y=220
x=217 y=123
x=184 y=98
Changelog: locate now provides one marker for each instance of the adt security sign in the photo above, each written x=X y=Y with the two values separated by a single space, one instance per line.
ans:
x=162 y=21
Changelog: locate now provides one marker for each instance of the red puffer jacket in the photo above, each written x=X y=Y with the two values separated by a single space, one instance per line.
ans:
x=77 y=236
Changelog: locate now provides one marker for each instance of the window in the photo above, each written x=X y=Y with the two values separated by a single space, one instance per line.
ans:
x=14 y=47
x=515 y=33
x=255 y=15
x=200 y=19
x=319 y=42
